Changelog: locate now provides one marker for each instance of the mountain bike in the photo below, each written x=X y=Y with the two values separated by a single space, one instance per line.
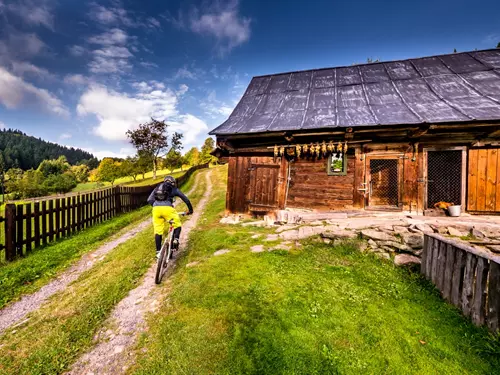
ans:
x=165 y=252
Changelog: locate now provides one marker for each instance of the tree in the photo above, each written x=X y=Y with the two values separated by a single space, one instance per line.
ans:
x=108 y=170
x=152 y=139
x=206 y=149
x=61 y=183
x=144 y=163
x=81 y=173
x=130 y=168
x=498 y=45
x=173 y=160
x=54 y=167
x=193 y=156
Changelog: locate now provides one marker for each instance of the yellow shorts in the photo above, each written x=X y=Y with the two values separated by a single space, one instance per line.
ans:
x=162 y=215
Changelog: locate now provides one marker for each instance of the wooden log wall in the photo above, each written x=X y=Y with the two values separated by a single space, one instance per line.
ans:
x=483 y=187
x=312 y=187
x=466 y=277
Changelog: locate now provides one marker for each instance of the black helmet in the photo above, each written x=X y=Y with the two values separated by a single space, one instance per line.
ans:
x=169 y=180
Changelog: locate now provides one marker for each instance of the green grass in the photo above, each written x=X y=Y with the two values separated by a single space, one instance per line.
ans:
x=315 y=309
x=64 y=328
x=28 y=274
x=61 y=330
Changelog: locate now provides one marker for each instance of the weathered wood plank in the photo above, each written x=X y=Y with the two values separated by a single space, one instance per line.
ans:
x=51 y=221
x=448 y=272
x=36 y=209
x=472 y=180
x=468 y=285
x=57 y=212
x=44 y=222
x=10 y=232
x=20 y=230
x=425 y=252
x=491 y=180
x=497 y=193
x=441 y=266
x=457 y=279
x=493 y=314
x=434 y=265
x=29 y=235
x=481 y=179
x=359 y=179
x=478 y=311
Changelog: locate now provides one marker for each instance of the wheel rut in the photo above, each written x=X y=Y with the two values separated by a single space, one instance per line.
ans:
x=112 y=354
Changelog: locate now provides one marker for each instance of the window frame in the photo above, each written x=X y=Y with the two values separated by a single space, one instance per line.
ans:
x=344 y=165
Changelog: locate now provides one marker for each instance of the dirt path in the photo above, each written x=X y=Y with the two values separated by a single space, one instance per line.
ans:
x=111 y=355
x=17 y=312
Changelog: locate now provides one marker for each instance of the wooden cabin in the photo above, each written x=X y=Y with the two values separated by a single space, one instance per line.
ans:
x=393 y=136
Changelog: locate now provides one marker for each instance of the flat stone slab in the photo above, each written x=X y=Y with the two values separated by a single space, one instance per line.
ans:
x=395 y=245
x=272 y=237
x=255 y=236
x=285 y=228
x=377 y=236
x=221 y=252
x=424 y=228
x=257 y=249
x=339 y=234
x=455 y=232
x=281 y=246
x=414 y=240
x=406 y=260
x=192 y=264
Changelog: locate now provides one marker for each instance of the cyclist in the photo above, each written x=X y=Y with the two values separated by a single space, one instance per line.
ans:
x=162 y=200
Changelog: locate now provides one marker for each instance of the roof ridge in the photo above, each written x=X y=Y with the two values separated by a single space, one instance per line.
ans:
x=378 y=62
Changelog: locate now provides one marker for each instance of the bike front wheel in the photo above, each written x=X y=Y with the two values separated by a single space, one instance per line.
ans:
x=163 y=259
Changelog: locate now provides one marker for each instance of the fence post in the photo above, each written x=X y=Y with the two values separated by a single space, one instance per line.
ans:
x=10 y=231
x=118 y=203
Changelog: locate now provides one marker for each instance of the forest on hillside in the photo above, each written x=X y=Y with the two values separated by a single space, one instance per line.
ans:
x=19 y=150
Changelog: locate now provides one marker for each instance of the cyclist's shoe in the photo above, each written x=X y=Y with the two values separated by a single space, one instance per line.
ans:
x=157 y=255
x=175 y=244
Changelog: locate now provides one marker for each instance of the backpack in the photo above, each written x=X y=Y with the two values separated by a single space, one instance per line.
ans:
x=163 y=192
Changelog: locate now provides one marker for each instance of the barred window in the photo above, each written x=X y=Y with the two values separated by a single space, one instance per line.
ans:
x=337 y=165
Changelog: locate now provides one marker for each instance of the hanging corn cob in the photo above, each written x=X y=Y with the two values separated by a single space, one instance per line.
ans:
x=330 y=147
x=345 y=147
x=282 y=150
x=298 y=150
x=323 y=148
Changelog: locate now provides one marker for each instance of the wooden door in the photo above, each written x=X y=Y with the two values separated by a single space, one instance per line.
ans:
x=384 y=175
x=264 y=187
x=483 y=184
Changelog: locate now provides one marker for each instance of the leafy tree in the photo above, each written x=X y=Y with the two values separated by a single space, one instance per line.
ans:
x=498 y=45
x=29 y=184
x=130 y=168
x=108 y=170
x=173 y=160
x=206 y=149
x=81 y=173
x=61 y=183
x=144 y=163
x=193 y=156
x=152 y=139
x=54 y=167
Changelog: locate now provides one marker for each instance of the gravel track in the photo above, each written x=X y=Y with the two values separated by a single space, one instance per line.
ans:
x=112 y=354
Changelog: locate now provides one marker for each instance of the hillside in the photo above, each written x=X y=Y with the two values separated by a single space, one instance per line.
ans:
x=23 y=151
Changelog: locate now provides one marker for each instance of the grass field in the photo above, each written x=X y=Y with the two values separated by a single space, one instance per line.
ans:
x=315 y=309
x=65 y=327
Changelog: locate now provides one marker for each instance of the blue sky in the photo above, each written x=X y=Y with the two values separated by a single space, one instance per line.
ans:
x=81 y=73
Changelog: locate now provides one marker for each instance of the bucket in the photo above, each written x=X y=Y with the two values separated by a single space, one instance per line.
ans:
x=454 y=210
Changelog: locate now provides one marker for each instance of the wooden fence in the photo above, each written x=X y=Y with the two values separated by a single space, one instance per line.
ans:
x=31 y=225
x=468 y=278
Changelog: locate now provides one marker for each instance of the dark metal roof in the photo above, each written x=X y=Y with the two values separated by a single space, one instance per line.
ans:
x=461 y=87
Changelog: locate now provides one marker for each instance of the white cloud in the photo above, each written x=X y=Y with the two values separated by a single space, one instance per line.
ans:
x=14 y=92
x=182 y=89
x=101 y=154
x=112 y=56
x=110 y=15
x=37 y=13
x=110 y=37
x=223 y=22
x=148 y=64
x=118 y=112
x=2 y=124
x=183 y=73
x=492 y=39
x=20 y=46
x=65 y=136
x=22 y=68
x=77 y=50
x=215 y=108
x=76 y=79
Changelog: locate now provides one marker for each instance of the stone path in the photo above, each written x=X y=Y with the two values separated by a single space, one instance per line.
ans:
x=112 y=354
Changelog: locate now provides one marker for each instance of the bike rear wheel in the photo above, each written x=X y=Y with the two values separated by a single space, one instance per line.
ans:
x=163 y=259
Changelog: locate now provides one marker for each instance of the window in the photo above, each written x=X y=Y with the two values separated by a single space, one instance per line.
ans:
x=337 y=165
